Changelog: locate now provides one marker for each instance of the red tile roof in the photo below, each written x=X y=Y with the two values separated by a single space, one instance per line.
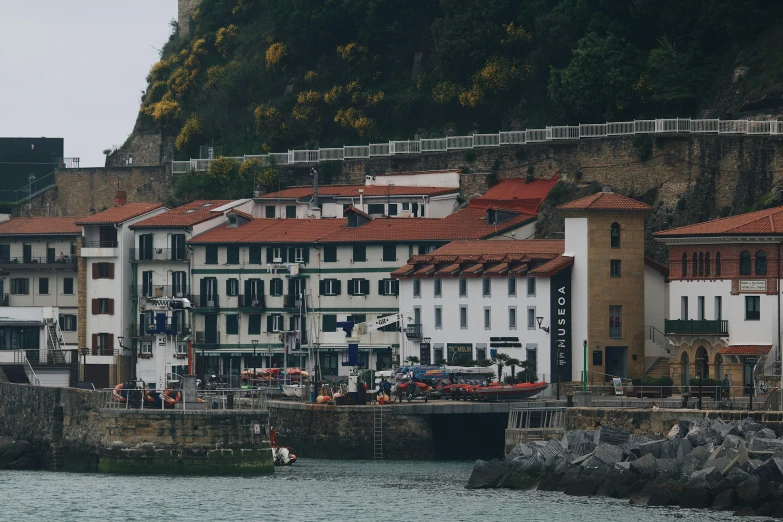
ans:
x=355 y=210
x=516 y=194
x=264 y=230
x=352 y=191
x=605 y=201
x=185 y=216
x=745 y=349
x=764 y=222
x=552 y=267
x=116 y=215
x=553 y=247
x=41 y=226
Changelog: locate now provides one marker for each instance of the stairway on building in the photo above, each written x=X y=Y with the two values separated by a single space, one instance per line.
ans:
x=659 y=368
x=15 y=373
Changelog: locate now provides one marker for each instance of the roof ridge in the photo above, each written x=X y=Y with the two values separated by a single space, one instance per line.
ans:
x=735 y=216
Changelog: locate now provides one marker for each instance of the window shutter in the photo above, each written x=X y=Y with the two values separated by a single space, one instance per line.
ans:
x=291 y=323
x=321 y=287
x=283 y=252
x=395 y=287
x=292 y=254
x=228 y=286
x=110 y=343
x=260 y=288
x=95 y=270
x=269 y=323
x=269 y=254
x=380 y=287
x=365 y=286
x=306 y=254
x=94 y=307
x=111 y=270
x=247 y=289
x=111 y=306
x=94 y=342
x=351 y=286
x=337 y=286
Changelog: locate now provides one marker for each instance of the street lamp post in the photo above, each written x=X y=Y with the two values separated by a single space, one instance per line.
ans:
x=254 y=342
x=133 y=358
x=85 y=350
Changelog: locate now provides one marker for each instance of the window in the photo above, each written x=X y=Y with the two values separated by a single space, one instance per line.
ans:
x=512 y=286
x=438 y=318
x=276 y=255
x=232 y=287
x=182 y=349
x=531 y=318
x=684 y=308
x=487 y=318
x=752 y=307
x=700 y=307
x=274 y=323
x=718 y=308
x=615 y=321
x=701 y=264
x=68 y=323
x=359 y=253
x=276 y=287
x=745 y=263
x=390 y=252
x=20 y=286
x=212 y=255
x=376 y=209
x=330 y=254
x=463 y=287
x=695 y=265
x=481 y=352
x=68 y=286
x=232 y=324
x=145 y=247
x=486 y=287
x=329 y=323
x=290 y=211
x=358 y=287
x=426 y=249
x=269 y=211
x=102 y=344
x=5 y=253
x=179 y=285
x=614 y=267
x=103 y=306
x=684 y=265
x=254 y=324
x=357 y=318
x=255 y=255
x=512 y=317
x=531 y=286
x=393 y=209
x=437 y=287
x=103 y=271
x=388 y=287
x=406 y=206
x=417 y=288
x=707 y=267
x=43 y=286
x=463 y=317
x=146 y=348
x=299 y=255
x=232 y=255
x=615 y=235
x=761 y=263
x=329 y=287
x=717 y=264
x=178 y=251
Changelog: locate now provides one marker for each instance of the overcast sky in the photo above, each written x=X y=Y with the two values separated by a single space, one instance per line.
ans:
x=75 y=69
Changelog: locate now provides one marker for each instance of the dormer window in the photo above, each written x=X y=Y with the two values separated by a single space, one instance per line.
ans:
x=615 y=235
x=232 y=219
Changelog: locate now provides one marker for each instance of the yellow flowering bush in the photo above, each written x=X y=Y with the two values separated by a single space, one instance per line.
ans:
x=164 y=111
x=190 y=130
x=352 y=52
x=275 y=54
x=268 y=121
x=306 y=108
x=224 y=37
x=214 y=74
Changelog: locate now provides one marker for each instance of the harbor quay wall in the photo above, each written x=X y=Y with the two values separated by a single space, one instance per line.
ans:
x=66 y=429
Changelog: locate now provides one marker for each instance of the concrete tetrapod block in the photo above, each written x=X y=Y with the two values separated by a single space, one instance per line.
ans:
x=644 y=467
x=762 y=444
x=490 y=474
x=609 y=454
x=726 y=500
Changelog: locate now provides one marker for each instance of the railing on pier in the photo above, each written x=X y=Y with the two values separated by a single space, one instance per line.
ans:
x=535 y=423
x=230 y=399
x=555 y=133
x=20 y=357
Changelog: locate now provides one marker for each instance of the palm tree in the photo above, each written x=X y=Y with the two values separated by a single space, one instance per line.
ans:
x=513 y=363
x=500 y=360
x=412 y=359
x=482 y=363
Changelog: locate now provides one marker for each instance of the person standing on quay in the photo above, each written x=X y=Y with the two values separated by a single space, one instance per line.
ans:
x=726 y=387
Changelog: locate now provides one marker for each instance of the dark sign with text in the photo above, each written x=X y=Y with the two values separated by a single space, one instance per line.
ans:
x=560 y=324
x=424 y=353
x=459 y=352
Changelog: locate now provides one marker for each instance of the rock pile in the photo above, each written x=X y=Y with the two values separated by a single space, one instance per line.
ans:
x=15 y=454
x=701 y=464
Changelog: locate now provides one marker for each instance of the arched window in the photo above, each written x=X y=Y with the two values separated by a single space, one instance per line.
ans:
x=684 y=265
x=761 y=263
x=744 y=263
x=695 y=267
x=717 y=264
x=615 y=235
x=707 y=264
x=701 y=264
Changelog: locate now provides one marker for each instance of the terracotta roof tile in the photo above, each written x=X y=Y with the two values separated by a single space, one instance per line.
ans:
x=264 y=230
x=449 y=269
x=517 y=194
x=185 y=216
x=403 y=271
x=498 y=269
x=354 y=210
x=763 y=222
x=352 y=191
x=552 y=267
x=41 y=226
x=552 y=247
x=116 y=215
x=745 y=349
x=605 y=201
x=425 y=269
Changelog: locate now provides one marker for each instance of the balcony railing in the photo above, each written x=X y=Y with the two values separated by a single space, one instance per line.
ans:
x=49 y=357
x=158 y=291
x=52 y=262
x=170 y=328
x=205 y=301
x=256 y=302
x=102 y=350
x=413 y=331
x=159 y=254
x=100 y=244
x=203 y=338
x=697 y=327
x=292 y=302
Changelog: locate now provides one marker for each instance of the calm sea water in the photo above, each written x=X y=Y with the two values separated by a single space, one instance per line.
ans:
x=312 y=490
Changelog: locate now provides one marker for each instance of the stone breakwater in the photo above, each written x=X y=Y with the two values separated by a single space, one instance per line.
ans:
x=708 y=463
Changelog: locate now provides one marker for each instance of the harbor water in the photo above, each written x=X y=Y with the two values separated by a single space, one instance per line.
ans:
x=323 y=490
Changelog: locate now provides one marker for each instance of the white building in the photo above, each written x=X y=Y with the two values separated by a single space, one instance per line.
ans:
x=341 y=268
x=108 y=243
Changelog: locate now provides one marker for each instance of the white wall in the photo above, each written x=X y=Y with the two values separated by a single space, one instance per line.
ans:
x=655 y=309
x=448 y=179
x=576 y=245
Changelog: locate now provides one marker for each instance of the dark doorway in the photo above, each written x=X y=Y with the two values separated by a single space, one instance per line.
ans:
x=469 y=436
x=617 y=361
x=98 y=375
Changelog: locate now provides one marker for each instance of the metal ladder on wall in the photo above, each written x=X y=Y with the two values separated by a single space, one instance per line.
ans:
x=377 y=429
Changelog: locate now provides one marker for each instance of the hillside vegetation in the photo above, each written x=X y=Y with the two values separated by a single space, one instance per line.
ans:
x=260 y=75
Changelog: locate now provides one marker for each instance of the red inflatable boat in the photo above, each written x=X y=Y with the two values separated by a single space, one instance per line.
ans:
x=510 y=393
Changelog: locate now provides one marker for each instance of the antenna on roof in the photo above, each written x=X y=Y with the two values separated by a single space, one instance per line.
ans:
x=606 y=189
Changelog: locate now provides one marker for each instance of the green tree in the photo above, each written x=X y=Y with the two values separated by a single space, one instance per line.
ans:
x=500 y=360
x=513 y=363
x=412 y=360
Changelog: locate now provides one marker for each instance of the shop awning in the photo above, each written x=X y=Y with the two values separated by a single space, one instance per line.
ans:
x=746 y=349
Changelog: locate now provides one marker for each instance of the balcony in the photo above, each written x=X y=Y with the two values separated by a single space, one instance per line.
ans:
x=413 y=331
x=147 y=291
x=169 y=328
x=159 y=254
x=203 y=339
x=38 y=263
x=49 y=358
x=105 y=248
x=205 y=301
x=697 y=327
x=254 y=303
x=291 y=302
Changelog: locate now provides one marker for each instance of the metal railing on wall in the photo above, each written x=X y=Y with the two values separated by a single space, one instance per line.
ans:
x=499 y=139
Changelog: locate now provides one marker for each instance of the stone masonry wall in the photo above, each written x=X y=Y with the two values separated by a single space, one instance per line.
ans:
x=186 y=9
x=143 y=149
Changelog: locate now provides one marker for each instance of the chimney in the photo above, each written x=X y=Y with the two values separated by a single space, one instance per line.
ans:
x=121 y=198
x=361 y=200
